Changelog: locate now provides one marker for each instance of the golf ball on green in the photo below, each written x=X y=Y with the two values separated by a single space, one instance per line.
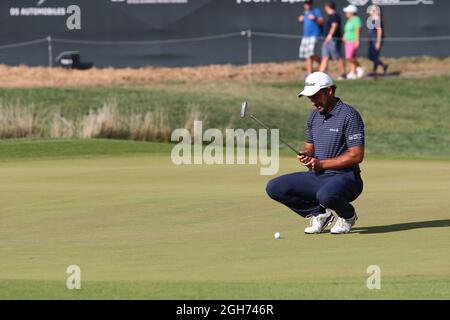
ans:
x=277 y=235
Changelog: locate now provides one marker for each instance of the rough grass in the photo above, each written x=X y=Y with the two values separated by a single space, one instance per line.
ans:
x=404 y=117
x=105 y=122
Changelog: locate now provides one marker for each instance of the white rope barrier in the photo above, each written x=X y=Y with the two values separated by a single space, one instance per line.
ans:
x=249 y=34
x=205 y=38
x=390 y=39
x=414 y=39
x=23 y=44
x=150 y=42
x=277 y=35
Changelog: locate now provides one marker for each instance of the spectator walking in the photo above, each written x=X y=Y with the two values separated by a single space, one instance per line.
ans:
x=312 y=21
x=352 y=36
x=377 y=33
x=332 y=45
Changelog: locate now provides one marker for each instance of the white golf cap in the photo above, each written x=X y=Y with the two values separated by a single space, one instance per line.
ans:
x=351 y=8
x=315 y=82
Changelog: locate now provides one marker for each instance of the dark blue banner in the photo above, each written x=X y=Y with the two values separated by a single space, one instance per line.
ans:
x=135 y=33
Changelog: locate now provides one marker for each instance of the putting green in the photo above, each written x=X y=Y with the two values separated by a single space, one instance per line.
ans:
x=140 y=227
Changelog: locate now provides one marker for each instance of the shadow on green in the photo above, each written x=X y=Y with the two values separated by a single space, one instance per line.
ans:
x=403 y=227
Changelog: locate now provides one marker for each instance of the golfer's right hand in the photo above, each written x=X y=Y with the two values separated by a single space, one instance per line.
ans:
x=301 y=18
x=303 y=159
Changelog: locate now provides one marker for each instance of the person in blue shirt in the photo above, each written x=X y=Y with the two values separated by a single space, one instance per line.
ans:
x=312 y=21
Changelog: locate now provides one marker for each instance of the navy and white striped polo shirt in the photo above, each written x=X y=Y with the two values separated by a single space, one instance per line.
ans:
x=332 y=134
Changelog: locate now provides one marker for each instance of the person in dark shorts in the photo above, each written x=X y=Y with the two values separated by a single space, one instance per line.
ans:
x=332 y=45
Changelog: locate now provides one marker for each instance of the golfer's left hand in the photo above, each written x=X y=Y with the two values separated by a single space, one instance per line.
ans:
x=314 y=164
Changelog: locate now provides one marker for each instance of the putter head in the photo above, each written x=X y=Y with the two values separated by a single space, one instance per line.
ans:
x=244 y=108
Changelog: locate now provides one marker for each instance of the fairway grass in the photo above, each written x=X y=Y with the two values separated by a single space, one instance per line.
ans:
x=408 y=287
x=141 y=228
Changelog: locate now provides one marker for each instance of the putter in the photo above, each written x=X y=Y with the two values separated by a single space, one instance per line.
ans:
x=244 y=113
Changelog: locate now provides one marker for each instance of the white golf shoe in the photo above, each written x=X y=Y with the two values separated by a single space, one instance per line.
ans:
x=360 y=72
x=320 y=222
x=343 y=226
x=352 y=76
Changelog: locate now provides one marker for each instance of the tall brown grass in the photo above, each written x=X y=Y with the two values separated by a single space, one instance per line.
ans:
x=61 y=127
x=193 y=114
x=151 y=126
x=106 y=122
x=20 y=122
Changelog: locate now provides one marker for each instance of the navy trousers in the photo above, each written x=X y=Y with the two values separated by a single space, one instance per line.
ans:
x=374 y=55
x=308 y=193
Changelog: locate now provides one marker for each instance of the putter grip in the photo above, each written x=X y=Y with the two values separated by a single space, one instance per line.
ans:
x=304 y=154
